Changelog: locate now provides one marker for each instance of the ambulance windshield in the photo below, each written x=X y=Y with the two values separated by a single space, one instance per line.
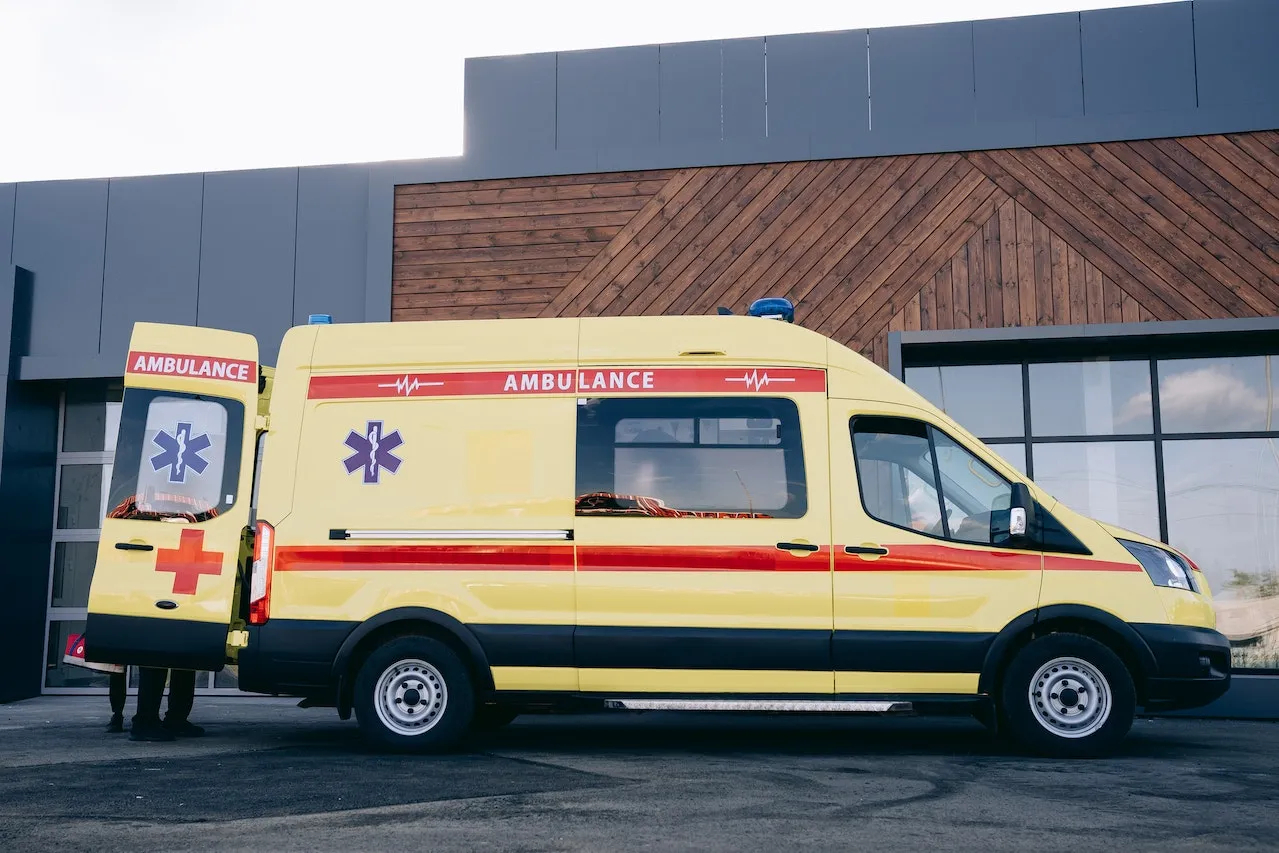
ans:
x=177 y=456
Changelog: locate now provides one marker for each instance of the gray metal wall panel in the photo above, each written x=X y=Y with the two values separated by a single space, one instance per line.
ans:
x=8 y=195
x=921 y=78
x=607 y=98
x=1028 y=67
x=817 y=86
x=1235 y=51
x=332 y=227
x=152 y=256
x=510 y=98
x=691 y=76
x=246 y=256
x=1138 y=59
x=745 y=115
x=59 y=234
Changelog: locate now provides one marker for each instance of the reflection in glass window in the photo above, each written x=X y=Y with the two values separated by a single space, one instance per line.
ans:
x=1013 y=454
x=60 y=674
x=1219 y=394
x=895 y=473
x=690 y=458
x=985 y=399
x=91 y=419
x=1111 y=481
x=72 y=572
x=1090 y=398
x=899 y=485
x=1223 y=511
x=972 y=490
x=655 y=431
x=80 y=497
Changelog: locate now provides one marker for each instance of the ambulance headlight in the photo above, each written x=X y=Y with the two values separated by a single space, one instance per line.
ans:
x=1164 y=567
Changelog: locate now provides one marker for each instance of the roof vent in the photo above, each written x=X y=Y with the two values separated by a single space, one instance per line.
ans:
x=319 y=320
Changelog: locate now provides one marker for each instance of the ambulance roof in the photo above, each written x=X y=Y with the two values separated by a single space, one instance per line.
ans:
x=549 y=342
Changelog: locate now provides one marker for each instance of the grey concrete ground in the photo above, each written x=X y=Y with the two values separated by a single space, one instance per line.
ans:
x=274 y=777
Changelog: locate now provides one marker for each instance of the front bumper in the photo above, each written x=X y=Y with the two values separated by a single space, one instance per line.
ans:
x=1192 y=666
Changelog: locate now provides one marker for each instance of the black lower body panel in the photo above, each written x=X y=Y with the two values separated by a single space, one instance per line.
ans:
x=1192 y=666
x=292 y=657
x=163 y=643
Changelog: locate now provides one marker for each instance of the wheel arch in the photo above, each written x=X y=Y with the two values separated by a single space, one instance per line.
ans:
x=1092 y=622
x=404 y=621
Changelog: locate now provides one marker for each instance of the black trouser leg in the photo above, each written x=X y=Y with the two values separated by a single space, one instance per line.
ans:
x=150 y=691
x=118 y=692
x=181 y=695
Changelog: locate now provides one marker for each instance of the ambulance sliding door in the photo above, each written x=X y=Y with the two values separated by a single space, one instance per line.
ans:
x=702 y=534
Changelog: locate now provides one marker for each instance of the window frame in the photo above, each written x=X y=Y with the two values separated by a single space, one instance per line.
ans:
x=940 y=486
x=126 y=463
x=778 y=407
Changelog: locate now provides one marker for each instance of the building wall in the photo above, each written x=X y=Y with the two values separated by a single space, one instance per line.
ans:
x=1171 y=229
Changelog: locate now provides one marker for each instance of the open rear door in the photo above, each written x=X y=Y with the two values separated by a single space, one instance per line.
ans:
x=165 y=583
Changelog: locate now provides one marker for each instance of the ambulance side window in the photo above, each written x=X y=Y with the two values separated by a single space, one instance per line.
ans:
x=690 y=458
x=177 y=457
x=914 y=476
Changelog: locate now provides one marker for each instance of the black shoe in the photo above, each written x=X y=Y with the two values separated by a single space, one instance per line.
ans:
x=183 y=728
x=116 y=726
x=150 y=732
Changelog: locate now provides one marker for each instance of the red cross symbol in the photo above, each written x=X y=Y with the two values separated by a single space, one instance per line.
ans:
x=188 y=561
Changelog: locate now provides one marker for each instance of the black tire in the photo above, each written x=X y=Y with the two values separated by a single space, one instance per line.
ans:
x=1084 y=699
x=490 y=718
x=413 y=694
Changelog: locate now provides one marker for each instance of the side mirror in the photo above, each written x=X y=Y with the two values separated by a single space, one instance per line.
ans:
x=1021 y=512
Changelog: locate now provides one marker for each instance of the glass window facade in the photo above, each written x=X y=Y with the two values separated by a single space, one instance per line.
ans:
x=1185 y=450
x=88 y=428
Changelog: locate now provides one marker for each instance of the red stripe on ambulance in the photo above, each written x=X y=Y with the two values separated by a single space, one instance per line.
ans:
x=651 y=380
x=193 y=366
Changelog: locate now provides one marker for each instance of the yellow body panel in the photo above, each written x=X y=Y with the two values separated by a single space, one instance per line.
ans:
x=535 y=678
x=761 y=681
x=906 y=682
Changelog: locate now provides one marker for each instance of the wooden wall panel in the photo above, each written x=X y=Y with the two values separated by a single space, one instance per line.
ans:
x=1118 y=232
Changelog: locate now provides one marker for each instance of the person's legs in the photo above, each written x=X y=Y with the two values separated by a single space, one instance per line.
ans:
x=181 y=698
x=146 y=722
x=118 y=692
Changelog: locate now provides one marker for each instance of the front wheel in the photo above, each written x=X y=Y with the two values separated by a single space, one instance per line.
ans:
x=1068 y=695
x=413 y=694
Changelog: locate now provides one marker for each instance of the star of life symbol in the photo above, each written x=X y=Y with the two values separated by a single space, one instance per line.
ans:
x=756 y=381
x=406 y=385
x=373 y=452
x=180 y=453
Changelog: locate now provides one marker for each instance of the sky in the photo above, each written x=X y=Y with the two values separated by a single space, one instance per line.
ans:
x=102 y=88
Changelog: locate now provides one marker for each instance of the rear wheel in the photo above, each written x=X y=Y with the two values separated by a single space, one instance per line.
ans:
x=1068 y=695
x=413 y=694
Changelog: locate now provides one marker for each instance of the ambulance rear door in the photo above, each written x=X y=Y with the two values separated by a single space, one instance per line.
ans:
x=174 y=540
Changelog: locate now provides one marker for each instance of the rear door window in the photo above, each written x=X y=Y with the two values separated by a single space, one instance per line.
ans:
x=177 y=456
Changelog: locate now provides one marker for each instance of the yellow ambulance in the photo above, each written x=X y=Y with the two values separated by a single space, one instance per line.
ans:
x=442 y=525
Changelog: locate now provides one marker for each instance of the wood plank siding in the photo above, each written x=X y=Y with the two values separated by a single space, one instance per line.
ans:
x=1165 y=229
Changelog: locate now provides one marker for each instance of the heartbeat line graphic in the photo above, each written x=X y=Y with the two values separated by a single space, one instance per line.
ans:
x=406 y=385
x=756 y=381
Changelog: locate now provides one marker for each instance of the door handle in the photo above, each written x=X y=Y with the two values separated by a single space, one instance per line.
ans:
x=797 y=546
x=865 y=549
x=134 y=546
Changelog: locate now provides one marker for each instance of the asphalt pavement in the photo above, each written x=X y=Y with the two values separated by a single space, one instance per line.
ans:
x=271 y=776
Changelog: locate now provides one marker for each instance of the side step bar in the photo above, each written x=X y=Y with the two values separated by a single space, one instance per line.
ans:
x=802 y=706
